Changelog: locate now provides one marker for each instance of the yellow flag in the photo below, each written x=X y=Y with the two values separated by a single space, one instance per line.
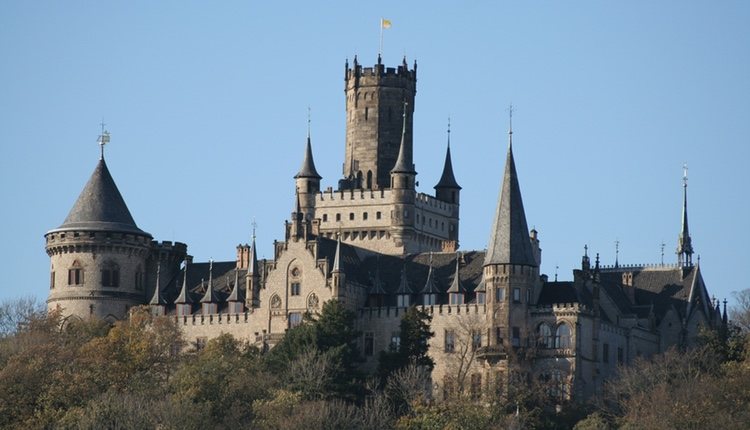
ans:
x=385 y=23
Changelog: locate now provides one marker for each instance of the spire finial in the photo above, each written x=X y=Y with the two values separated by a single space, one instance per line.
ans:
x=103 y=139
x=556 y=268
x=449 y=132
x=684 y=175
x=308 y=122
x=586 y=250
x=255 y=225
x=617 y=252
x=662 y=252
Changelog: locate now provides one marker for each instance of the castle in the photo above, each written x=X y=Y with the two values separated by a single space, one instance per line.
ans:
x=378 y=246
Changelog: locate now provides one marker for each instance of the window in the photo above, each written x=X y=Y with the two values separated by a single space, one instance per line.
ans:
x=516 y=337
x=528 y=295
x=562 y=336
x=110 y=275
x=476 y=340
x=75 y=276
x=402 y=300
x=295 y=289
x=480 y=298
x=500 y=295
x=51 y=280
x=369 y=344
x=457 y=299
x=378 y=215
x=544 y=336
x=295 y=319
x=351 y=216
x=605 y=353
x=429 y=299
x=338 y=217
x=620 y=356
x=395 y=341
x=499 y=335
x=450 y=341
x=516 y=295
x=138 y=278
x=325 y=217
x=364 y=216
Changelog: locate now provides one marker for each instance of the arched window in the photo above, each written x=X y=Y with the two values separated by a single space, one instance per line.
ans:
x=562 y=336
x=369 y=179
x=544 y=336
x=75 y=274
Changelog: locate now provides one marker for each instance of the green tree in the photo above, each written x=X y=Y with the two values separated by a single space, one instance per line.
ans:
x=413 y=346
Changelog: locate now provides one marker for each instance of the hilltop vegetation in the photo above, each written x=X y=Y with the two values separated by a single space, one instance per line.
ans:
x=140 y=374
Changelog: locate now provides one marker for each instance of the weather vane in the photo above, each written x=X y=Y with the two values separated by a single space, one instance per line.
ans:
x=684 y=175
x=103 y=139
x=255 y=225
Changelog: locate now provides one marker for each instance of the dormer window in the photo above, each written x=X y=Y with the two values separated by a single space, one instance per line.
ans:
x=402 y=300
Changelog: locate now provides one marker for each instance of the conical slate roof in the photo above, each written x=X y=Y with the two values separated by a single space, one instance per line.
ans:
x=100 y=207
x=509 y=239
x=307 y=170
x=404 y=162
x=447 y=180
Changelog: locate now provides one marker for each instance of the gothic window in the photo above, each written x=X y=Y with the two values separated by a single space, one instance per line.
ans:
x=75 y=274
x=516 y=295
x=369 y=344
x=294 y=289
x=450 y=341
x=295 y=319
x=605 y=353
x=544 y=336
x=275 y=301
x=110 y=275
x=562 y=336
x=369 y=179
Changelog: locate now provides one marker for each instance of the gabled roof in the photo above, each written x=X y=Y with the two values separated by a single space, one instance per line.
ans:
x=100 y=207
x=509 y=238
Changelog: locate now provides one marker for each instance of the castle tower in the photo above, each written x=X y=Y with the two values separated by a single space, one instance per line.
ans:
x=511 y=270
x=375 y=99
x=403 y=177
x=98 y=255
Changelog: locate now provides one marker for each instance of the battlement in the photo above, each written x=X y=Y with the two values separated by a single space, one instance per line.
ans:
x=434 y=310
x=352 y=195
x=428 y=202
x=630 y=267
x=169 y=246
x=380 y=72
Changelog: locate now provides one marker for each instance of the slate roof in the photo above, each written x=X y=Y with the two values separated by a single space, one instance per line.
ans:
x=308 y=170
x=405 y=161
x=447 y=180
x=509 y=238
x=100 y=207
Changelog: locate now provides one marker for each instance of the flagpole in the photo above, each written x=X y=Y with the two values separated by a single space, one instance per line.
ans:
x=380 y=50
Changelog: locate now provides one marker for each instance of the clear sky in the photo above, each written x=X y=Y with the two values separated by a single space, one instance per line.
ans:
x=207 y=105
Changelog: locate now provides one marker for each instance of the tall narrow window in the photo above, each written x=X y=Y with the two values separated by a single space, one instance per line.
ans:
x=450 y=341
x=295 y=319
x=75 y=274
x=516 y=295
x=395 y=341
x=516 y=336
x=544 y=336
x=295 y=289
x=476 y=340
x=605 y=353
x=110 y=275
x=500 y=294
x=52 y=280
x=369 y=344
x=562 y=336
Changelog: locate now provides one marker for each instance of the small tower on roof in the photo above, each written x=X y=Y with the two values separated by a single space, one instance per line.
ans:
x=447 y=189
x=252 y=277
x=684 y=243
x=158 y=302
x=184 y=303
x=307 y=179
x=210 y=302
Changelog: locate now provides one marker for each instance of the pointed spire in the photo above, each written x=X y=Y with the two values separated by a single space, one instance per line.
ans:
x=234 y=296
x=210 y=295
x=447 y=179
x=430 y=285
x=724 y=318
x=337 y=256
x=698 y=296
x=377 y=284
x=184 y=297
x=684 y=243
x=307 y=170
x=404 y=162
x=252 y=268
x=457 y=287
x=403 y=283
x=158 y=299
x=509 y=239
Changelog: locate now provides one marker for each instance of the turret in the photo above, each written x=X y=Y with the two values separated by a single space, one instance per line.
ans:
x=338 y=276
x=403 y=185
x=404 y=291
x=374 y=98
x=307 y=181
x=457 y=291
x=158 y=303
x=252 y=278
x=235 y=299
x=209 y=302
x=447 y=189
x=184 y=303
x=430 y=290
x=98 y=255
x=511 y=271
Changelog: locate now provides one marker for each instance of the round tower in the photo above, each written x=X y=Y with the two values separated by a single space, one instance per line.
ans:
x=307 y=182
x=98 y=255
x=375 y=99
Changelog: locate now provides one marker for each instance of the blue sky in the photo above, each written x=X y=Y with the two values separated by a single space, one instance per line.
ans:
x=207 y=106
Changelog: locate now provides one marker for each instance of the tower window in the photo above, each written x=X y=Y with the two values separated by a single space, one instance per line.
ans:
x=516 y=336
x=378 y=215
x=52 y=280
x=325 y=217
x=516 y=295
x=500 y=295
x=450 y=341
x=75 y=276
x=110 y=276
x=138 y=279
x=338 y=217
x=562 y=336
x=351 y=216
x=364 y=216
x=367 y=111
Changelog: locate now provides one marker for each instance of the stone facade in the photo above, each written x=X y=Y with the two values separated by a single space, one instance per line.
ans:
x=378 y=246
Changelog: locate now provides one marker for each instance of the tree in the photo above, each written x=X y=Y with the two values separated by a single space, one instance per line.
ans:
x=17 y=313
x=740 y=312
x=413 y=344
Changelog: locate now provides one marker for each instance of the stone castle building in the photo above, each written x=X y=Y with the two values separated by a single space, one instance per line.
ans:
x=379 y=246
